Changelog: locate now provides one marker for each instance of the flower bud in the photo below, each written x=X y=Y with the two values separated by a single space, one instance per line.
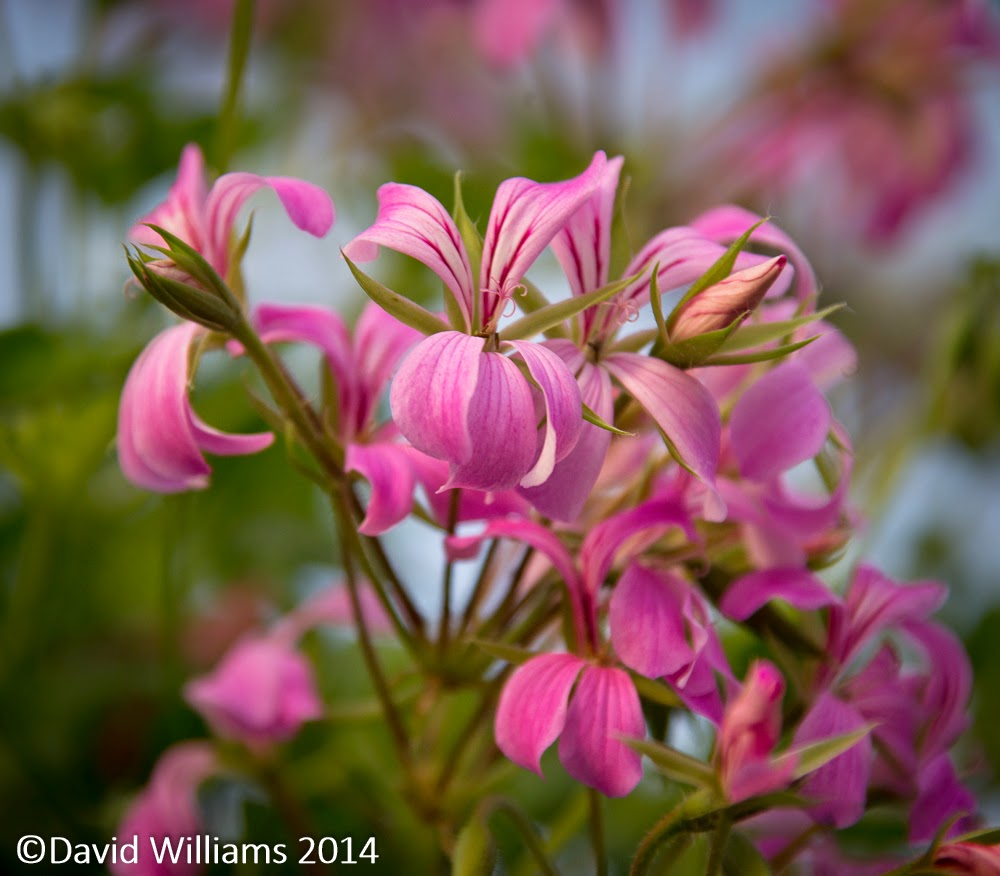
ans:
x=720 y=305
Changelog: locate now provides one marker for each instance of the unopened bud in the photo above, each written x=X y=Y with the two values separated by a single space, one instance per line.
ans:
x=718 y=306
x=182 y=294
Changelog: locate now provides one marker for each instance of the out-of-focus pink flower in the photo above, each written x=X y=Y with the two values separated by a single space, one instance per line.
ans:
x=453 y=398
x=261 y=693
x=333 y=606
x=204 y=218
x=969 y=859
x=167 y=808
x=161 y=441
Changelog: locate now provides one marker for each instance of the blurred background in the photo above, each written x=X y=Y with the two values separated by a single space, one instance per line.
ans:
x=869 y=130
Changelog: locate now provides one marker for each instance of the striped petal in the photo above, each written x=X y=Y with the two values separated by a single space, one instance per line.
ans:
x=387 y=467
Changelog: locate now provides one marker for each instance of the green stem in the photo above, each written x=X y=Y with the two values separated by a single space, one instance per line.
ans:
x=597 y=836
x=479 y=591
x=531 y=838
x=239 y=50
x=717 y=849
x=449 y=572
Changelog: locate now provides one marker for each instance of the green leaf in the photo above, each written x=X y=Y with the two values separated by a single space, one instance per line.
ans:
x=475 y=853
x=741 y=858
x=715 y=274
x=552 y=315
x=764 y=333
x=760 y=356
x=406 y=311
x=675 y=764
x=809 y=758
x=592 y=417
x=508 y=653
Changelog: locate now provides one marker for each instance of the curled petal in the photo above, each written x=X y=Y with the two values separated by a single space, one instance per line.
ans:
x=583 y=246
x=181 y=212
x=684 y=411
x=432 y=392
x=415 y=223
x=726 y=224
x=389 y=470
x=526 y=215
x=563 y=418
x=531 y=712
x=307 y=205
x=780 y=421
x=160 y=440
x=604 y=710
x=796 y=586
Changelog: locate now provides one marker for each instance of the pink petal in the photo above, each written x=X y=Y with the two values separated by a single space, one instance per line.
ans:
x=751 y=725
x=566 y=490
x=432 y=393
x=182 y=212
x=563 y=408
x=380 y=342
x=941 y=797
x=415 y=223
x=308 y=206
x=583 y=246
x=970 y=859
x=160 y=440
x=531 y=712
x=647 y=621
x=526 y=215
x=797 y=587
x=684 y=411
x=501 y=427
x=508 y=31
x=605 y=709
x=829 y=358
x=389 y=470
x=780 y=421
x=726 y=224
x=840 y=786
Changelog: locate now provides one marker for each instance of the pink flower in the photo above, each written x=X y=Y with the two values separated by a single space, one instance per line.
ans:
x=261 y=693
x=167 y=809
x=969 y=859
x=160 y=438
x=205 y=219
x=455 y=398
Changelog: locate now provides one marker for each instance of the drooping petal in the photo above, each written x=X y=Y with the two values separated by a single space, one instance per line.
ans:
x=160 y=440
x=307 y=205
x=796 y=586
x=563 y=408
x=583 y=246
x=432 y=392
x=684 y=411
x=566 y=490
x=389 y=470
x=531 y=712
x=501 y=427
x=647 y=619
x=941 y=797
x=605 y=709
x=726 y=224
x=416 y=224
x=380 y=343
x=182 y=212
x=780 y=421
x=526 y=215
x=839 y=786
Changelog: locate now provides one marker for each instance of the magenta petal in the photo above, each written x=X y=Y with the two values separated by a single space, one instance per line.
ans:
x=798 y=587
x=432 y=392
x=840 y=786
x=532 y=707
x=780 y=421
x=563 y=408
x=225 y=443
x=501 y=427
x=726 y=224
x=388 y=469
x=566 y=490
x=526 y=215
x=681 y=407
x=646 y=616
x=415 y=223
x=605 y=709
x=583 y=246
x=940 y=798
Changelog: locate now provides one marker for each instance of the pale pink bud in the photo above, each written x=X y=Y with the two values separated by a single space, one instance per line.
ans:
x=718 y=306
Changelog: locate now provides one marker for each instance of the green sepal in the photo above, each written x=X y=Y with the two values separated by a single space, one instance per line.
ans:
x=192 y=262
x=552 y=315
x=475 y=852
x=760 y=356
x=741 y=858
x=635 y=342
x=508 y=653
x=809 y=758
x=188 y=302
x=593 y=418
x=765 y=332
x=692 y=352
x=718 y=272
x=675 y=764
x=406 y=311
x=655 y=691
